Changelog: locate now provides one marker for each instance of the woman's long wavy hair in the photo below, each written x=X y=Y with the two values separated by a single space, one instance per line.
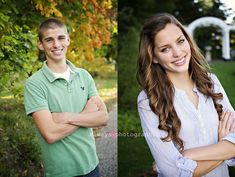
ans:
x=159 y=89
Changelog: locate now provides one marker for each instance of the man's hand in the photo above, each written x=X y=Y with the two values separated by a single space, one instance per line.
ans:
x=91 y=106
x=226 y=124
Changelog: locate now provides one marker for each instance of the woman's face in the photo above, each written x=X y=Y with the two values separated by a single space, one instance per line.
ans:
x=172 y=50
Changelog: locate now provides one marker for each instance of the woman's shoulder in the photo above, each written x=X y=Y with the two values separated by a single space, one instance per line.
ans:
x=216 y=82
x=142 y=96
x=143 y=101
x=213 y=77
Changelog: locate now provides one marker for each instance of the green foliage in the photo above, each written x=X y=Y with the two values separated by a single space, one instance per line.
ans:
x=129 y=121
x=19 y=151
x=17 y=58
x=134 y=157
x=18 y=49
x=212 y=33
x=92 y=27
x=188 y=10
x=127 y=62
x=232 y=44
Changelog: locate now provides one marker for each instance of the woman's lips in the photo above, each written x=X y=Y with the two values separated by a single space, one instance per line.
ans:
x=179 y=62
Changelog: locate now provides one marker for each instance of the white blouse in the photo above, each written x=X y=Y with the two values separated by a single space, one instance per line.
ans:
x=199 y=127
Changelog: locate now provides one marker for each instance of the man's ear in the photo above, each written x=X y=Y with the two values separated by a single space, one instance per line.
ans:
x=40 y=46
x=68 y=38
x=155 y=60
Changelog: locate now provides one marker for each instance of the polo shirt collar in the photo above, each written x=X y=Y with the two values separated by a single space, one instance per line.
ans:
x=50 y=76
x=73 y=69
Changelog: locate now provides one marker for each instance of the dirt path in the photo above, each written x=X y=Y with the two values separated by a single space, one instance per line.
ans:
x=107 y=146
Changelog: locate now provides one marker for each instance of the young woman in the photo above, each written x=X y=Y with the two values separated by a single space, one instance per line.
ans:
x=182 y=105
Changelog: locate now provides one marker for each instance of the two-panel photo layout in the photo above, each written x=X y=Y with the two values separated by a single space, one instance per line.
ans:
x=117 y=88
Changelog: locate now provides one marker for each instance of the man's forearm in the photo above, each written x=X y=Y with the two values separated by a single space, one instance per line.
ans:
x=50 y=130
x=94 y=114
x=90 y=119
x=223 y=150
x=61 y=131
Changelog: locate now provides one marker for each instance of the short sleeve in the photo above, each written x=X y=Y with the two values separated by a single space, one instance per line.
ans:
x=34 y=98
x=92 y=87
x=165 y=154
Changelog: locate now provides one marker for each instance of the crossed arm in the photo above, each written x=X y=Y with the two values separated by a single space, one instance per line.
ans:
x=204 y=156
x=56 y=126
x=211 y=156
x=223 y=150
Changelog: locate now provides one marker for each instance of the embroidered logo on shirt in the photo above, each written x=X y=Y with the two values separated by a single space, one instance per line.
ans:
x=83 y=88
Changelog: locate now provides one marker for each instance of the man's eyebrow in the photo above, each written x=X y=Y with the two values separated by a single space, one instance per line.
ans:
x=48 y=38
x=175 y=40
x=51 y=38
x=61 y=36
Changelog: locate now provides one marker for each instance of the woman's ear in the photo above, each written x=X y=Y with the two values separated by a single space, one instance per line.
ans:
x=40 y=46
x=155 y=60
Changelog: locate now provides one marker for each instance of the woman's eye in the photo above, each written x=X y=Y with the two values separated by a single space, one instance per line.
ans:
x=181 y=41
x=164 y=50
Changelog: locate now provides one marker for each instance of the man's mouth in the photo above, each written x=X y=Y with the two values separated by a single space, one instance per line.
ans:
x=57 y=51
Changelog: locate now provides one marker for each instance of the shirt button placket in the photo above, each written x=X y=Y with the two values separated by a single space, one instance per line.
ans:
x=69 y=88
x=202 y=128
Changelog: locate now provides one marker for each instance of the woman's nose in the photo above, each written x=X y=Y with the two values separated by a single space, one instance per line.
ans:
x=176 y=52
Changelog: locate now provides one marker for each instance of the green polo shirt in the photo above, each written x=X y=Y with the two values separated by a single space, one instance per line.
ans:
x=76 y=153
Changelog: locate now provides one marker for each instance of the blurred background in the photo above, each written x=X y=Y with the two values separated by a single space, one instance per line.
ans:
x=134 y=158
x=93 y=31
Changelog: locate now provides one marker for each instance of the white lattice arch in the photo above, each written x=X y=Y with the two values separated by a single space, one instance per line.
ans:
x=207 y=21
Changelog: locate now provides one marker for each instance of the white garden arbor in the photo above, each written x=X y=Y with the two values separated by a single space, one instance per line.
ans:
x=207 y=21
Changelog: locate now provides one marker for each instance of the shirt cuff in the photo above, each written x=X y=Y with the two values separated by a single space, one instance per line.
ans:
x=230 y=162
x=186 y=166
x=231 y=138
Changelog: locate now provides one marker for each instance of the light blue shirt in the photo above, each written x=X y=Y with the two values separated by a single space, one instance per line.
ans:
x=199 y=127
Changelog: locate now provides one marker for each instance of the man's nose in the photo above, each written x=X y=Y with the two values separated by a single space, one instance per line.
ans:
x=56 y=44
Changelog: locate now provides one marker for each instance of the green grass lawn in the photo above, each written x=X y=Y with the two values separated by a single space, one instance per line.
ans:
x=107 y=89
x=134 y=158
x=225 y=71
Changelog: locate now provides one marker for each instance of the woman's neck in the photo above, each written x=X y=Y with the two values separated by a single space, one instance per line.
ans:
x=182 y=81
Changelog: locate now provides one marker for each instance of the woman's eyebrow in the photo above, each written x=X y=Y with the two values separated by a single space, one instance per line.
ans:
x=168 y=44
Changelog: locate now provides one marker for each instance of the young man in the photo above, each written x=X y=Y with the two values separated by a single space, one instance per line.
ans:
x=64 y=105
